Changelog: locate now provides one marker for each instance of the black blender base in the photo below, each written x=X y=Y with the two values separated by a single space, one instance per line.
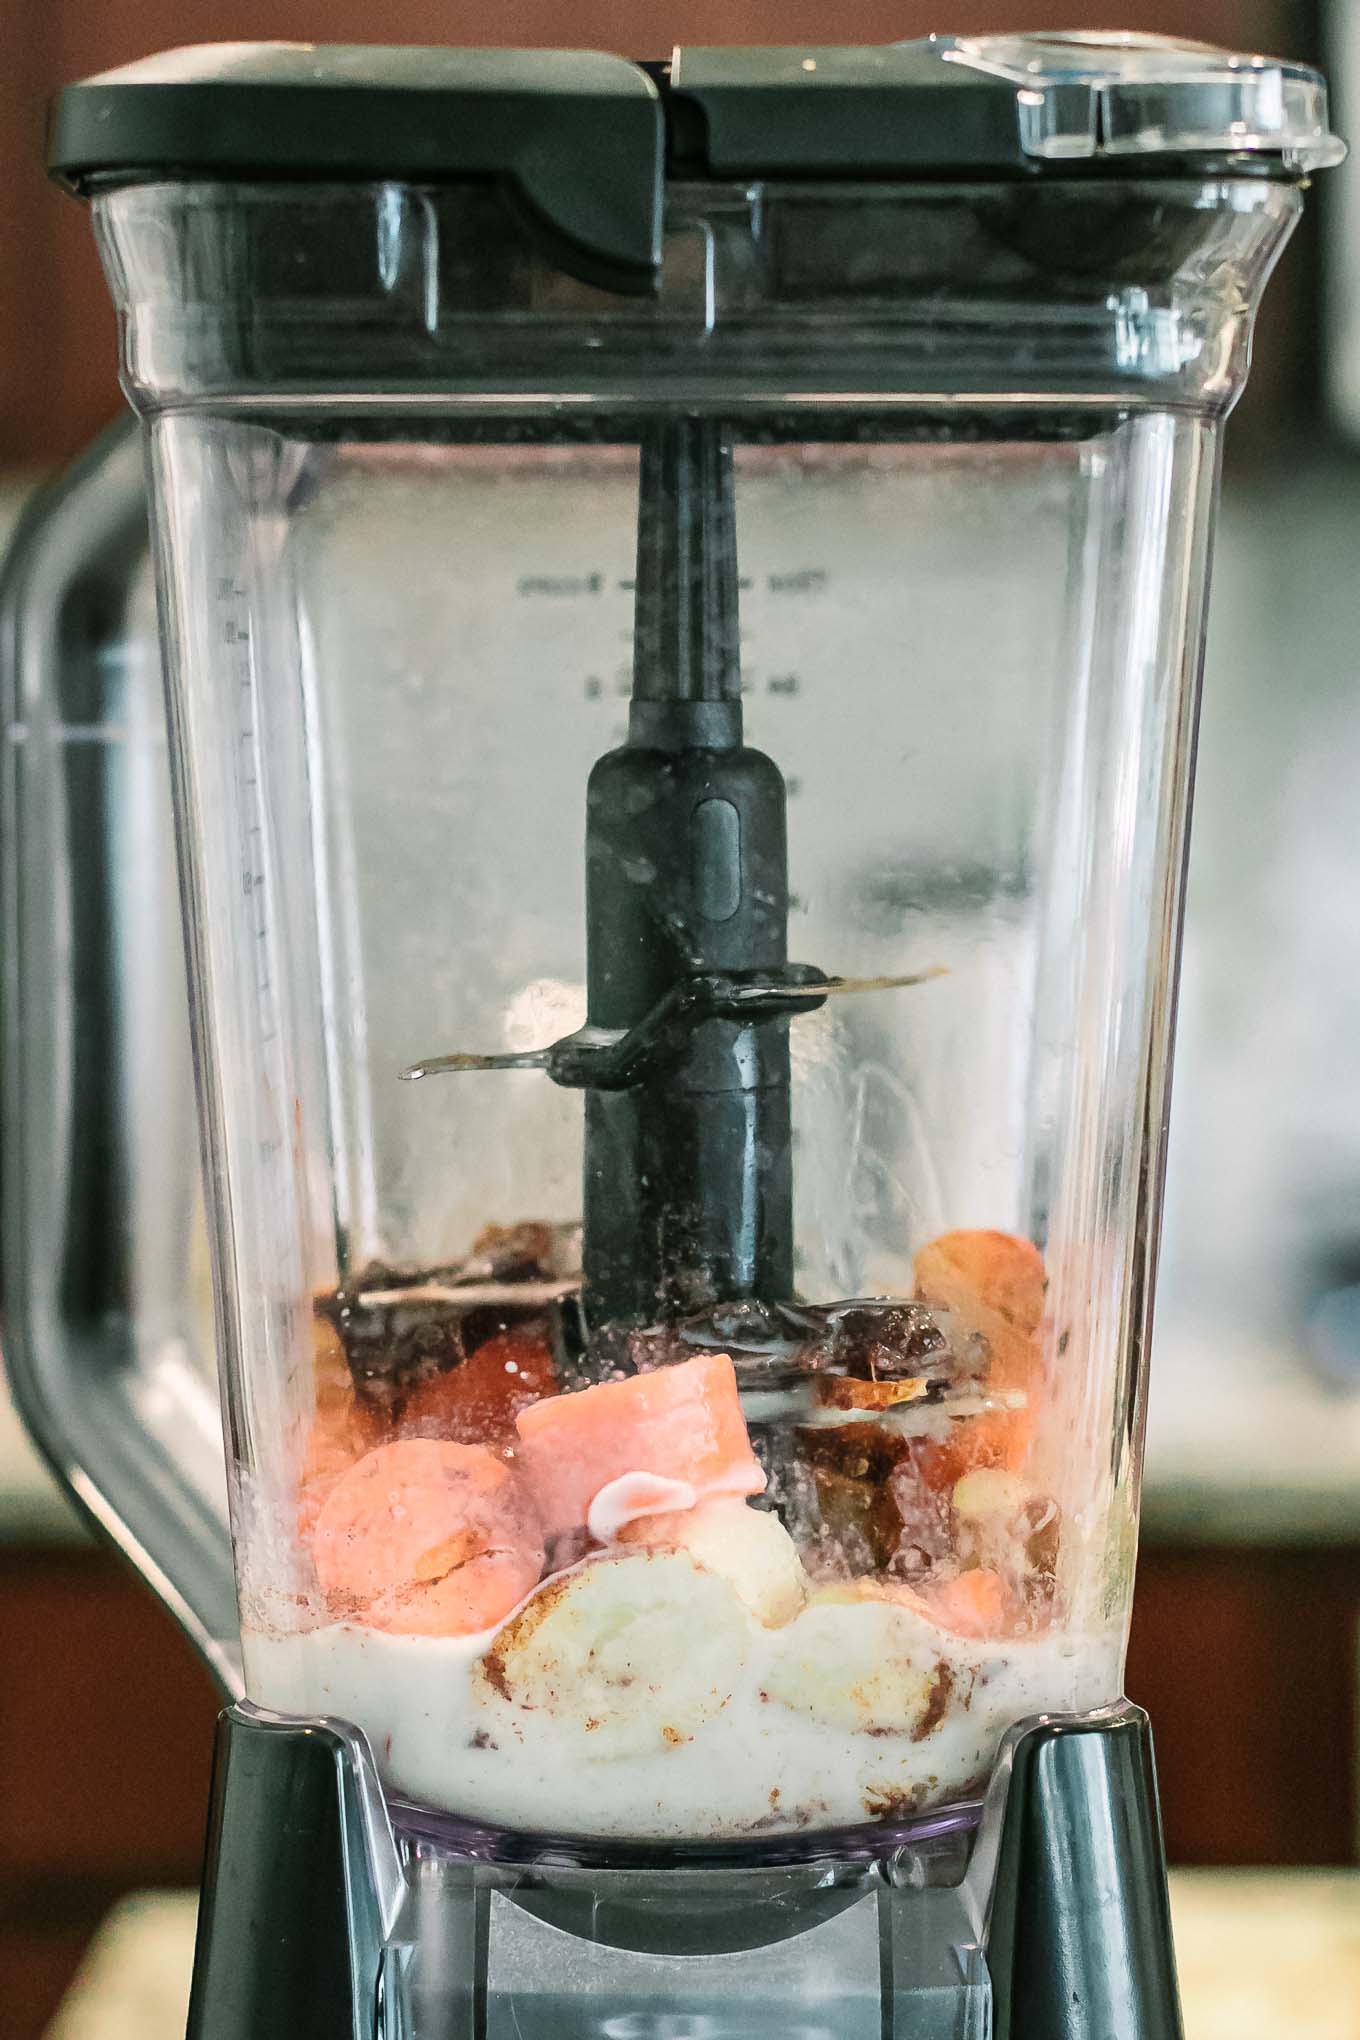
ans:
x=316 y=1925
x=1078 y=1932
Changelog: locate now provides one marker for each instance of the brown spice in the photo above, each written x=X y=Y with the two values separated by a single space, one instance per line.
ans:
x=515 y=1631
x=941 y=1687
x=884 y=1802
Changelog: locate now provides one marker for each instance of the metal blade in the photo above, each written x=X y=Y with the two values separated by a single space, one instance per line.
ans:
x=881 y=984
x=442 y=1065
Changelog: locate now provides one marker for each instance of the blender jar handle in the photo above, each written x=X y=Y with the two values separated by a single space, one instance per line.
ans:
x=106 y=1332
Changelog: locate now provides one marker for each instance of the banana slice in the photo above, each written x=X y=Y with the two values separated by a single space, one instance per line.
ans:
x=749 y=1548
x=1005 y=1524
x=860 y=1663
x=624 y=1657
x=990 y=1492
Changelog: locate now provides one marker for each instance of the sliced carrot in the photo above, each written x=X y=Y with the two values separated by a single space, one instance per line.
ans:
x=342 y=1428
x=1000 y=1437
x=427 y=1537
x=340 y=1434
x=681 y=1423
x=976 y=1603
x=996 y=1269
x=477 y=1402
x=994 y=1284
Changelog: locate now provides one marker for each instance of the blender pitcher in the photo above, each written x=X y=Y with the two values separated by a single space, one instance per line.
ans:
x=681 y=590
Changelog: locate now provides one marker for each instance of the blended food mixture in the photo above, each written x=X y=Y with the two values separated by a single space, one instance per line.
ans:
x=663 y=1708
x=603 y=1612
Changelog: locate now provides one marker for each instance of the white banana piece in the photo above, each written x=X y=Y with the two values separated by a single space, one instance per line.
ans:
x=1003 y=1523
x=624 y=1656
x=749 y=1548
x=861 y=1663
x=990 y=1491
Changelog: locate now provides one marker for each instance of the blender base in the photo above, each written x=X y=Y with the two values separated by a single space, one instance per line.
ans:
x=317 y=1924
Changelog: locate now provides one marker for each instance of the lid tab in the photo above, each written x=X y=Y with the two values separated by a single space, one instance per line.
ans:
x=577 y=133
x=1119 y=94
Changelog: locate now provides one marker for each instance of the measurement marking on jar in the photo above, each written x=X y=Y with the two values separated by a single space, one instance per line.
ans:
x=560 y=584
x=236 y=634
x=801 y=581
x=79 y=733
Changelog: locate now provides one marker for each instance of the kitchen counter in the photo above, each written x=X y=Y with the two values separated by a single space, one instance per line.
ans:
x=1262 y=1954
x=1268 y=1955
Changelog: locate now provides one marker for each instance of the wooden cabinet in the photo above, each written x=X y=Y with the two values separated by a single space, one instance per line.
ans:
x=106 y=1724
x=1248 y=1662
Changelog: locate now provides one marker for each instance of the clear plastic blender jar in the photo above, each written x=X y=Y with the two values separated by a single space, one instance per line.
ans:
x=682 y=598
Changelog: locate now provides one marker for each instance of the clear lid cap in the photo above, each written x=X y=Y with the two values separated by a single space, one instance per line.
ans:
x=1118 y=94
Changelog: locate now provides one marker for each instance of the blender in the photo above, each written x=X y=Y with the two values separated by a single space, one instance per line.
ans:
x=681 y=595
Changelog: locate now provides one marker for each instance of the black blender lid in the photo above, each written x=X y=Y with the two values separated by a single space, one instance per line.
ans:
x=578 y=134
x=587 y=139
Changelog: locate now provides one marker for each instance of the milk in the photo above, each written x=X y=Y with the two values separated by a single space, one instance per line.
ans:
x=757 y=1765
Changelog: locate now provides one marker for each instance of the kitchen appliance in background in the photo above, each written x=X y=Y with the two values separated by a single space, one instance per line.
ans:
x=682 y=599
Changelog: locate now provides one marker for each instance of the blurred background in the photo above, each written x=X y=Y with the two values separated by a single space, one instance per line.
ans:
x=1245 y=1628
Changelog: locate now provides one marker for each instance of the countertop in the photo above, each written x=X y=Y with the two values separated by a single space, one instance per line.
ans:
x=1263 y=1954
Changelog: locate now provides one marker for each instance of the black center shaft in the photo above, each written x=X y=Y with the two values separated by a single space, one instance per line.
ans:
x=688 y=1180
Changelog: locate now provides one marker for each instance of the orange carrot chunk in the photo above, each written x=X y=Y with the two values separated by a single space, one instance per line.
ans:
x=994 y=1284
x=680 y=1423
x=996 y=1269
x=342 y=1427
x=426 y=1537
x=976 y=1603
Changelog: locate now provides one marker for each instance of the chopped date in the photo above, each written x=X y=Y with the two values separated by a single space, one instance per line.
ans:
x=401 y=1326
x=389 y=1349
x=886 y=1341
